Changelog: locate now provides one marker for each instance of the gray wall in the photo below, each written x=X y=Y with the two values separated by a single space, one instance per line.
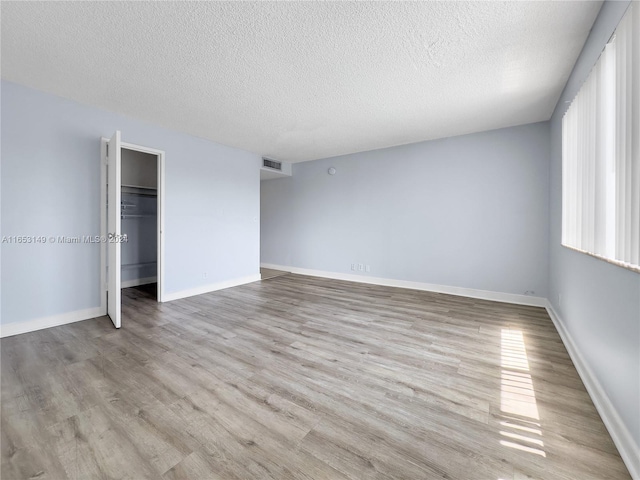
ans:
x=51 y=186
x=600 y=305
x=468 y=211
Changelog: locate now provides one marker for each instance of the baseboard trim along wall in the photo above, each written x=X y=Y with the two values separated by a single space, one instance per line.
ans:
x=138 y=281
x=429 y=287
x=17 y=328
x=168 y=297
x=629 y=450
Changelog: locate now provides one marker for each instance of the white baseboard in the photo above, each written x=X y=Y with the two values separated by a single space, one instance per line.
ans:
x=429 y=287
x=271 y=266
x=629 y=450
x=137 y=282
x=17 y=328
x=212 y=287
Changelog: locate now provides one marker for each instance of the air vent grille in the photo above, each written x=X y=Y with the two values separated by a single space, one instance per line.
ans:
x=268 y=163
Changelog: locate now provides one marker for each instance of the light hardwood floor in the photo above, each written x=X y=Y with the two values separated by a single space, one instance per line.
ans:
x=300 y=377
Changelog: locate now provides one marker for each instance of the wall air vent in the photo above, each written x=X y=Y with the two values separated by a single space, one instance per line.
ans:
x=272 y=164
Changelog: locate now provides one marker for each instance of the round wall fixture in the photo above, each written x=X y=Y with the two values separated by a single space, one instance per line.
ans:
x=332 y=171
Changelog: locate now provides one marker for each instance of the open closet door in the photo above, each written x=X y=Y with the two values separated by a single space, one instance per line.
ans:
x=113 y=228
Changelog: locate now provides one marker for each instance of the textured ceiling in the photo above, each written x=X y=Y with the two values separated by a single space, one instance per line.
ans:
x=299 y=81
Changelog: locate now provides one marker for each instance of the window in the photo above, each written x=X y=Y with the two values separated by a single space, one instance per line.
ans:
x=601 y=153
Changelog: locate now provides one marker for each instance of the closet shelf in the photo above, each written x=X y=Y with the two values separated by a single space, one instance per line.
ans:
x=139 y=186
x=126 y=216
x=139 y=190
x=138 y=265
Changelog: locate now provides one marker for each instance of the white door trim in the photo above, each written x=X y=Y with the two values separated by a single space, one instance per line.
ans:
x=103 y=225
x=160 y=154
x=160 y=227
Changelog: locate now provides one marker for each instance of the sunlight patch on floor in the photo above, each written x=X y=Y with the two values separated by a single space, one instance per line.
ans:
x=521 y=427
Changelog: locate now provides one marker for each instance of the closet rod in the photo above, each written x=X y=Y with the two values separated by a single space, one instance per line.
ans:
x=140 y=194
x=137 y=186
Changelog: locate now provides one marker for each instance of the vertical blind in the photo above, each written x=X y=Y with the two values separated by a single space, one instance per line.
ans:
x=601 y=153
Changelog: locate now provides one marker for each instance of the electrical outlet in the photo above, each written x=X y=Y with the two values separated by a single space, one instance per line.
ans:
x=360 y=267
x=353 y=267
x=205 y=275
x=367 y=268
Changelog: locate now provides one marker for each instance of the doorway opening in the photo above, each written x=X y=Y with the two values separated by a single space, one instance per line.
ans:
x=132 y=222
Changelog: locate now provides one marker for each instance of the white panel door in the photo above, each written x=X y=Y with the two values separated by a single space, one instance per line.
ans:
x=114 y=230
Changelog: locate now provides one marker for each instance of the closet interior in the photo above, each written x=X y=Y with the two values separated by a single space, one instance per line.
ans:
x=139 y=218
